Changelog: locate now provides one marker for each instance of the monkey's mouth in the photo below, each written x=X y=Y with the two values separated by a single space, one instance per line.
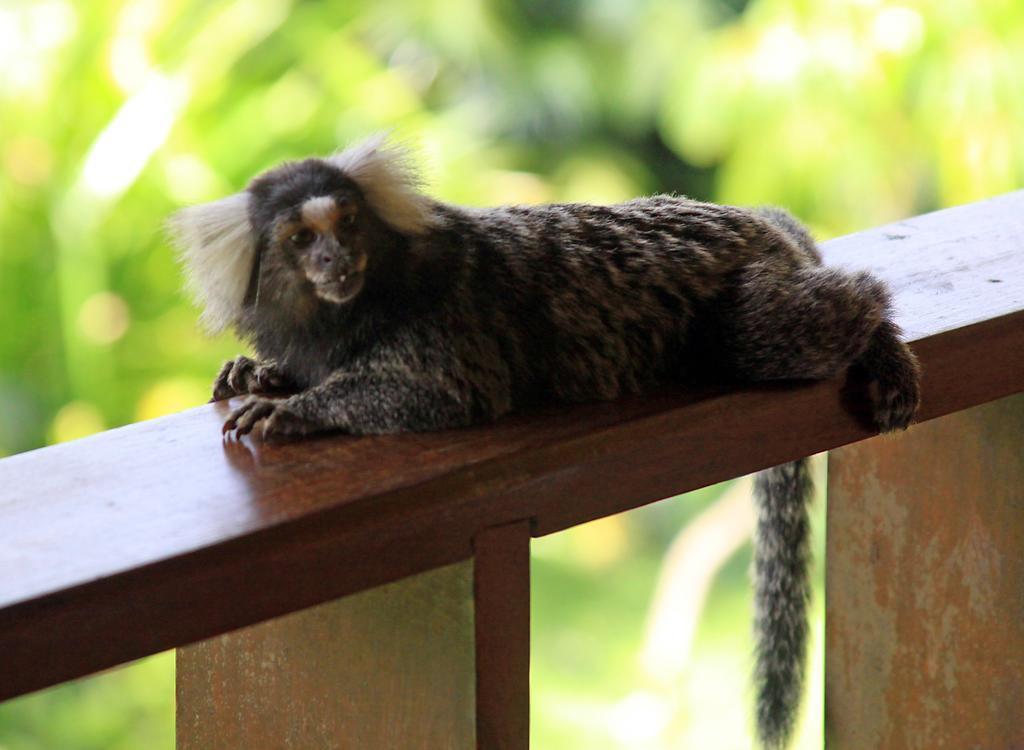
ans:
x=340 y=289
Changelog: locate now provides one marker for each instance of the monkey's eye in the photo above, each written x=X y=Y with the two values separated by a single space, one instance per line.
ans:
x=302 y=238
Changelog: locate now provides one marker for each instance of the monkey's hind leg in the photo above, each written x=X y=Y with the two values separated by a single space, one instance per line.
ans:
x=814 y=322
x=893 y=378
x=810 y=322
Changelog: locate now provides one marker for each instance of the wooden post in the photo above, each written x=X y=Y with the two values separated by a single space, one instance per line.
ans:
x=391 y=667
x=502 y=589
x=438 y=661
x=925 y=586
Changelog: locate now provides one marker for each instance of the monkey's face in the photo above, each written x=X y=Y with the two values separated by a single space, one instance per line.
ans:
x=317 y=231
x=304 y=235
x=319 y=240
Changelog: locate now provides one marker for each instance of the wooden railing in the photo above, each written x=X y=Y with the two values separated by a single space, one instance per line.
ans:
x=159 y=535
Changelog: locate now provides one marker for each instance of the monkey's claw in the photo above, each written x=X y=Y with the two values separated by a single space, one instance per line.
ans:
x=246 y=416
x=234 y=378
x=273 y=416
x=242 y=376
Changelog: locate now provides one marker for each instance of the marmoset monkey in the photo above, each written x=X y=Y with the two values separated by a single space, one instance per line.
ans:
x=384 y=310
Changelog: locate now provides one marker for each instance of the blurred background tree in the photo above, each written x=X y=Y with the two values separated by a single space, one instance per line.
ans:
x=113 y=114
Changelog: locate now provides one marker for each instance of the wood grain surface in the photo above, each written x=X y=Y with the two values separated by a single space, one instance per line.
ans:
x=392 y=667
x=160 y=534
x=924 y=634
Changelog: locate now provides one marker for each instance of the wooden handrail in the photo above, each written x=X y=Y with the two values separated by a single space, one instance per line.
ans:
x=159 y=534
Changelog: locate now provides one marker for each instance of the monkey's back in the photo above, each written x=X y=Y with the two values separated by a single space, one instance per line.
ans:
x=588 y=302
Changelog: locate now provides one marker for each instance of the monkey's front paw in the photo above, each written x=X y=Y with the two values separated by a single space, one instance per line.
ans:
x=274 y=417
x=243 y=376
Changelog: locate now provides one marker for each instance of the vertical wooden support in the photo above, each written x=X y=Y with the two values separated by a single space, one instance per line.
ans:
x=392 y=667
x=438 y=661
x=502 y=591
x=925 y=586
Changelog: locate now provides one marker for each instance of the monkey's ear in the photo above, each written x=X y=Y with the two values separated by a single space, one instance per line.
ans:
x=217 y=247
x=389 y=182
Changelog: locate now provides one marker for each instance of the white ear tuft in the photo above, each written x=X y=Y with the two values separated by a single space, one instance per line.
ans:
x=389 y=181
x=217 y=247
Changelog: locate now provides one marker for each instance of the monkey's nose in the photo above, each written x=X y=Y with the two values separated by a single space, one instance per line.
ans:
x=325 y=261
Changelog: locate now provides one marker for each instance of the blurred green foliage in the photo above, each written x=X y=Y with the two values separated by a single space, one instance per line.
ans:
x=113 y=114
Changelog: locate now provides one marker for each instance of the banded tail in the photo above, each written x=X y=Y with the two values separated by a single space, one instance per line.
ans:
x=782 y=593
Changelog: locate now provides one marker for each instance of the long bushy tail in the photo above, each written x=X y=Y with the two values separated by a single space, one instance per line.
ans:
x=782 y=592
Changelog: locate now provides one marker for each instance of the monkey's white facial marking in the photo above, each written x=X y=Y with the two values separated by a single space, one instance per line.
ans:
x=321 y=213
